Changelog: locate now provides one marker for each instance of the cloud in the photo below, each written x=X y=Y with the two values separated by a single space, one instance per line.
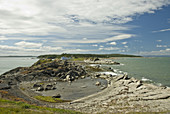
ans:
x=28 y=44
x=126 y=46
x=24 y=50
x=160 y=52
x=10 y=48
x=95 y=45
x=113 y=43
x=99 y=40
x=159 y=40
x=67 y=22
x=163 y=30
x=124 y=43
x=109 y=48
x=168 y=20
x=160 y=46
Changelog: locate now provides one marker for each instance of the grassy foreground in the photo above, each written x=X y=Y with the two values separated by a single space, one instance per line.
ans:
x=13 y=107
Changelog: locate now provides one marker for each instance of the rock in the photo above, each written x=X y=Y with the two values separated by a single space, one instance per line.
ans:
x=120 y=77
x=97 y=75
x=40 y=88
x=36 y=85
x=139 y=84
x=68 y=77
x=82 y=77
x=49 y=87
x=76 y=77
x=4 y=86
x=98 y=83
x=83 y=86
x=72 y=78
x=54 y=83
x=103 y=87
x=103 y=76
x=126 y=77
x=56 y=96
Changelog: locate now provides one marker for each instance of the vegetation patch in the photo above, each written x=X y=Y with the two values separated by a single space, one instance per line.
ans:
x=42 y=61
x=85 y=55
x=13 y=107
x=50 y=99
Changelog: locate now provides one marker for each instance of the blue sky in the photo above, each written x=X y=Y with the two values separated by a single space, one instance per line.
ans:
x=35 y=27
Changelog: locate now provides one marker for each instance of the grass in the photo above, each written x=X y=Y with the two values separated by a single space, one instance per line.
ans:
x=13 y=107
x=41 y=61
x=79 y=59
x=50 y=99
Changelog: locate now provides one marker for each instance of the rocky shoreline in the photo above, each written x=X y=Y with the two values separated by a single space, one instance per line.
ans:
x=121 y=94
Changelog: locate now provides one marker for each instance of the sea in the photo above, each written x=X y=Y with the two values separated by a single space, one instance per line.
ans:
x=9 y=63
x=154 y=69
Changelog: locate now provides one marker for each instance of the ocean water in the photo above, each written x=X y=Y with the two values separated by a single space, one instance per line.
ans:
x=8 y=63
x=156 y=69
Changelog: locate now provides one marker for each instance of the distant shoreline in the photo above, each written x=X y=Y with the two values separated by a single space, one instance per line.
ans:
x=17 y=56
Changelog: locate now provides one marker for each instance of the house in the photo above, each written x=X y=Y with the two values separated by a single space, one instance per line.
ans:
x=65 y=58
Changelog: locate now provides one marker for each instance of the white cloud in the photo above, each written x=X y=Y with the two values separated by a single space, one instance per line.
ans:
x=11 y=48
x=163 y=30
x=160 y=52
x=99 y=40
x=95 y=45
x=109 y=48
x=159 y=40
x=23 y=50
x=159 y=46
x=84 y=38
x=28 y=44
x=126 y=46
x=45 y=18
x=124 y=43
x=113 y=43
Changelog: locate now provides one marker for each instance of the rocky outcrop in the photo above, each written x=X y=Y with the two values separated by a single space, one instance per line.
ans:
x=125 y=95
x=101 y=61
x=55 y=69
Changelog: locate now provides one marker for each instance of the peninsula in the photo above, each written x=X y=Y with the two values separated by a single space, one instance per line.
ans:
x=75 y=84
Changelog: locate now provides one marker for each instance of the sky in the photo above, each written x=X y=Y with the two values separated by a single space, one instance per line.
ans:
x=36 y=27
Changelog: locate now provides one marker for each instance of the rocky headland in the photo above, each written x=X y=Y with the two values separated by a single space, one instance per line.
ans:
x=103 y=93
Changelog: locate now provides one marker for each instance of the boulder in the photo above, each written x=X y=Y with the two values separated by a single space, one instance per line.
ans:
x=36 y=85
x=49 y=87
x=4 y=86
x=98 y=83
x=68 y=77
x=56 y=96
x=40 y=88
x=97 y=75
x=82 y=77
